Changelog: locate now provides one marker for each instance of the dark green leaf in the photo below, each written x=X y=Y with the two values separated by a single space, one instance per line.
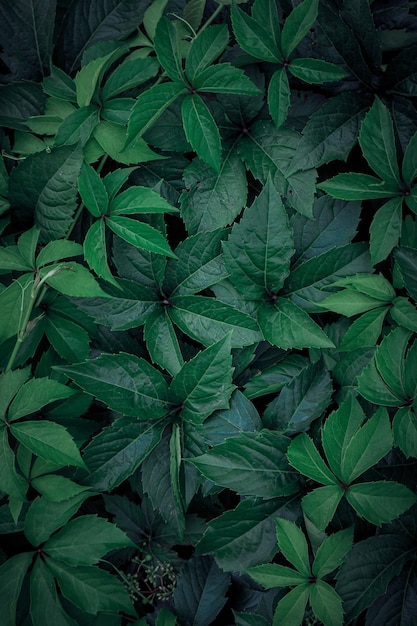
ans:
x=204 y=384
x=331 y=552
x=162 y=342
x=72 y=279
x=85 y=540
x=291 y=608
x=358 y=187
x=406 y=259
x=78 y=126
x=326 y=603
x=225 y=78
x=95 y=251
x=137 y=200
x=92 y=191
x=129 y=74
x=12 y=573
x=167 y=49
x=380 y=502
x=57 y=251
x=56 y=488
x=200 y=591
x=91 y=589
x=205 y=48
x=45 y=517
x=377 y=141
x=118 y=450
x=365 y=331
x=367 y=570
x=259 y=249
x=399 y=600
x=11 y=483
x=320 y=504
x=44 y=601
x=35 y=394
x=409 y=168
x=293 y=545
x=139 y=234
x=279 y=97
x=251 y=464
x=253 y=37
x=273 y=575
x=304 y=456
x=124 y=382
x=10 y=383
x=315 y=71
x=112 y=139
x=404 y=429
x=201 y=130
x=48 y=440
x=274 y=378
x=297 y=25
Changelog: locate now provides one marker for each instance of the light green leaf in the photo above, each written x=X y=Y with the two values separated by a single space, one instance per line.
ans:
x=293 y=545
x=124 y=382
x=304 y=456
x=380 y=502
x=56 y=488
x=72 y=279
x=365 y=331
x=372 y=387
x=258 y=251
x=162 y=342
x=358 y=187
x=287 y=326
x=205 y=48
x=139 y=234
x=85 y=540
x=251 y=464
x=152 y=16
x=12 y=573
x=48 y=440
x=326 y=604
x=112 y=139
x=78 y=126
x=128 y=75
x=35 y=394
x=368 y=445
x=201 y=130
x=331 y=552
x=297 y=25
x=92 y=191
x=385 y=229
x=291 y=608
x=273 y=575
x=95 y=251
x=89 y=76
x=58 y=250
x=349 y=302
x=316 y=71
x=320 y=505
x=279 y=97
x=91 y=589
x=225 y=78
x=377 y=141
x=207 y=320
x=204 y=384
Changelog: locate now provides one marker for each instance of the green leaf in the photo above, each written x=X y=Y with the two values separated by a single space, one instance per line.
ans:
x=200 y=591
x=48 y=440
x=370 y=443
x=129 y=74
x=279 y=97
x=207 y=320
x=204 y=384
x=286 y=325
x=385 y=230
x=149 y=107
x=35 y=394
x=167 y=49
x=409 y=168
x=358 y=187
x=244 y=536
x=212 y=200
x=258 y=251
x=225 y=78
x=10 y=383
x=58 y=250
x=320 y=505
x=85 y=540
x=56 y=488
x=44 y=601
x=253 y=37
x=404 y=427
x=293 y=545
x=404 y=313
x=274 y=378
x=377 y=141
x=92 y=191
x=112 y=139
x=118 y=450
x=389 y=359
x=45 y=517
x=373 y=387
x=78 y=126
x=201 y=130
x=338 y=430
x=291 y=608
x=90 y=75
x=91 y=589
x=316 y=71
x=331 y=552
x=273 y=575
x=124 y=382
x=365 y=331
x=136 y=200
x=367 y=570
x=349 y=302
x=297 y=25
x=152 y=16
x=304 y=456
x=72 y=279
x=380 y=502
x=326 y=604
x=205 y=48
x=162 y=342
x=139 y=234
x=398 y=600
x=95 y=251
x=12 y=573
x=406 y=258
x=68 y=339
x=11 y=483
x=251 y=464
x=193 y=12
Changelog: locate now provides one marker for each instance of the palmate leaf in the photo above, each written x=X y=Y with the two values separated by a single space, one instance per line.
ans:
x=331 y=552
x=320 y=504
x=204 y=384
x=251 y=464
x=303 y=455
x=126 y=383
x=258 y=251
x=85 y=540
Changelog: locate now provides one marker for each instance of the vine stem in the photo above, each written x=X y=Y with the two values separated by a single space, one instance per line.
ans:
x=212 y=17
x=22 y=328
